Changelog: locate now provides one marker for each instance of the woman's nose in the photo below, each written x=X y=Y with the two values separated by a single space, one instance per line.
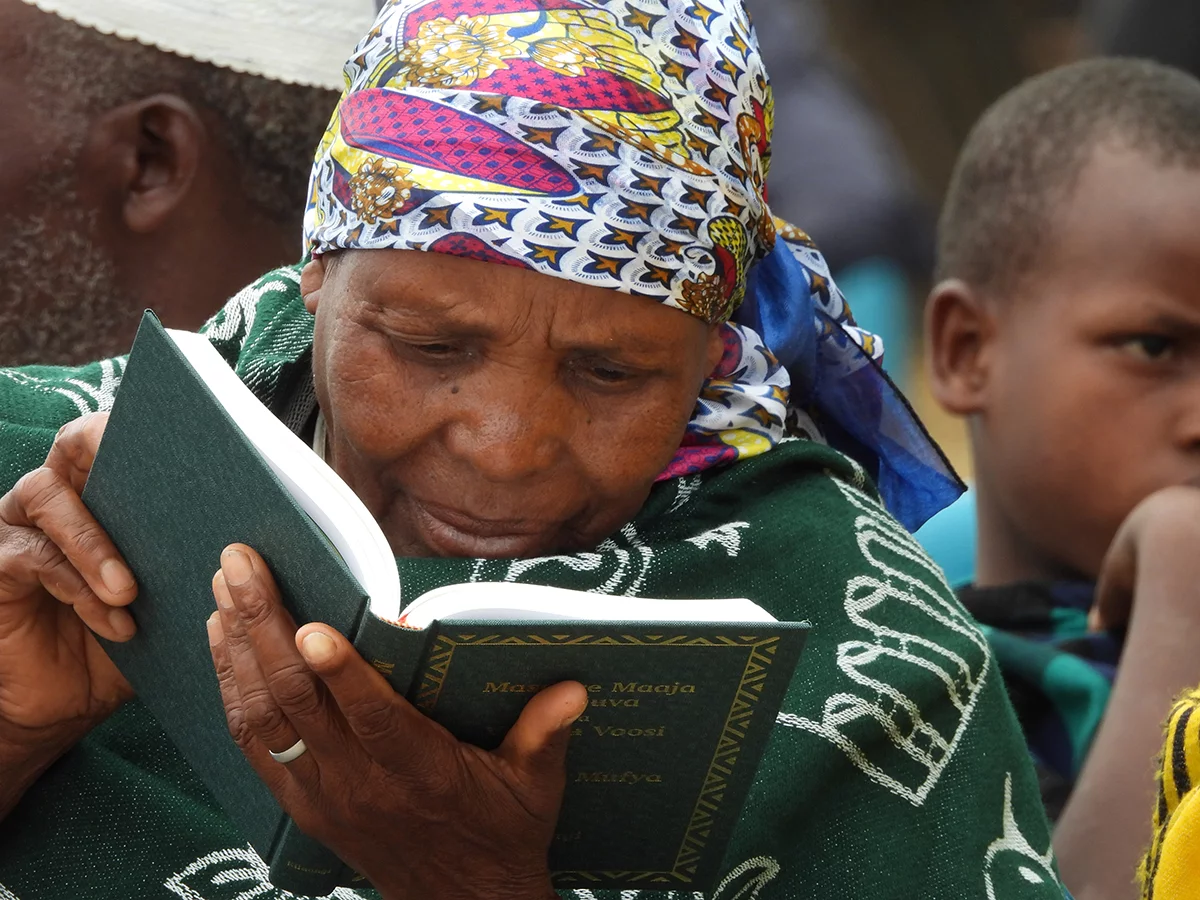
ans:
x=514 y=429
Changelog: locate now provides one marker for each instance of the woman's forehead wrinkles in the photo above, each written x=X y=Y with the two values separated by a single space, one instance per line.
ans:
x=479 y=298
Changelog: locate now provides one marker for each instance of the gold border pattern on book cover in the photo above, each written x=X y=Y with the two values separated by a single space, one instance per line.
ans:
x=760 y=654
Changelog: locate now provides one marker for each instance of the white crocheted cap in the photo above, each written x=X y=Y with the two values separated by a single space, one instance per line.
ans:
x=294 y=41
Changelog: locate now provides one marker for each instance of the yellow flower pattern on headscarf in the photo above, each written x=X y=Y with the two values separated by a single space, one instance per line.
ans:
x=456 y=53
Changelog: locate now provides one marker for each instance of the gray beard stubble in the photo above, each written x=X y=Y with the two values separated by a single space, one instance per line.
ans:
x=60 y=303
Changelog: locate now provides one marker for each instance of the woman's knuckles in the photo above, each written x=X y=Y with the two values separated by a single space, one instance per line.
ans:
x=374 y=718
x=40 y=494
x=28 y=558
x=255 y=602
x=295 y=689
x=265 y=718
x=52 y=512
x=239 y=728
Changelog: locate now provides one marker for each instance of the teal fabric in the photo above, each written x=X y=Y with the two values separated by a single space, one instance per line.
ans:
x=1058 y=674
x=950 y=539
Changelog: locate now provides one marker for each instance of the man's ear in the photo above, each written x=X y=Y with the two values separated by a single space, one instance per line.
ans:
x=959 y=329
x=312 y=276
x=152 y=149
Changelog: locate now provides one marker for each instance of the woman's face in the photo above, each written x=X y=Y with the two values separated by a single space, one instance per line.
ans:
x=487 y=410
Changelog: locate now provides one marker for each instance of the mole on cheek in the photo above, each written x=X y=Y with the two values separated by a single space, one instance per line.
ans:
x=454 y=389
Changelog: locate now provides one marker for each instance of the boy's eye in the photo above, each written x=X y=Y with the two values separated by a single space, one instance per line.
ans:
x=1152 y=347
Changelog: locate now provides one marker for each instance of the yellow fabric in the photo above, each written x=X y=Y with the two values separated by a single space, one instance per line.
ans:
x=1171 y=869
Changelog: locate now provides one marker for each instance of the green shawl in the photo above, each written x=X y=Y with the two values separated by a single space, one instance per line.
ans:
x=896 y=769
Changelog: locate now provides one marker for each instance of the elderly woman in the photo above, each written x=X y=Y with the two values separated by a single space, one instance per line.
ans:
x=549 y=332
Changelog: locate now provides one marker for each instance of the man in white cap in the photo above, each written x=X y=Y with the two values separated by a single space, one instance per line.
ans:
x=154 y=153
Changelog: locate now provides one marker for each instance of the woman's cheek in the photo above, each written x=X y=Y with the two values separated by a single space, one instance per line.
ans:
x=375 y=403
x=641 y=439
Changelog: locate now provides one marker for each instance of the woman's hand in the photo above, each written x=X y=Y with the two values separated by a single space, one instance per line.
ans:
x=59 y=576
x=404 y=803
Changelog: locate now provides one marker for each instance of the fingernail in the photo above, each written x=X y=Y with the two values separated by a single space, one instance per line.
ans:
x=115 y=576
x=120 y=621
x=318 y=647
x=570 y=719
x=221 y=592
x=215 y=634
x=237 y=567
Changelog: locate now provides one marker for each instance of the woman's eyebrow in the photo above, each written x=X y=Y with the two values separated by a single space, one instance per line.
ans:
x=627 y=346
x=443 y=313
x=462 y=316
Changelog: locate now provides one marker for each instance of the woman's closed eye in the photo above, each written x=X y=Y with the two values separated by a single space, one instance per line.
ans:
x=605 y=373
x=433 y=352
x=610 y=375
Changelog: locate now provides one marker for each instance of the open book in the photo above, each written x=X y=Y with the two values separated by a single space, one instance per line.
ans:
x=683 y=693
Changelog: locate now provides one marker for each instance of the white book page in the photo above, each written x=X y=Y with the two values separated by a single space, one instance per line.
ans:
x=506 y=601
x=318 y=490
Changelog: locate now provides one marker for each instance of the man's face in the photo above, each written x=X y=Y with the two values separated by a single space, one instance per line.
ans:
x=1093 y=401
x=485 y=410
x=59 y=300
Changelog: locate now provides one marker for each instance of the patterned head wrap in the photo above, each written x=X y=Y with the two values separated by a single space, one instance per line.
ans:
x=622 y=144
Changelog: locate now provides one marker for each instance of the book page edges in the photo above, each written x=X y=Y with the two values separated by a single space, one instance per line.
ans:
x=487 y=600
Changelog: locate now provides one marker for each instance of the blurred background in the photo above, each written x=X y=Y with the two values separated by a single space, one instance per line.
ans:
x=874 y=98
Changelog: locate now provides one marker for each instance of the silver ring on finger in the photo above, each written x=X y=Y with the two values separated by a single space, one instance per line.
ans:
x=292 y=753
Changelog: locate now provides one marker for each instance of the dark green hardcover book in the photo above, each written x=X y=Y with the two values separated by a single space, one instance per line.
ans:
x=680 y=711
x=175 y=481
x=660 y=762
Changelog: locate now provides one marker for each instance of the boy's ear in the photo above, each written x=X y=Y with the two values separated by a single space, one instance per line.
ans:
x=959 y=328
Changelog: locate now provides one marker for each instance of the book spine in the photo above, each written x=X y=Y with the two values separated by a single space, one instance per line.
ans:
x=396 y=652
x=303 y=866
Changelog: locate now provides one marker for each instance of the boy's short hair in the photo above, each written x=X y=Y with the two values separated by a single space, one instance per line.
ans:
x=1024 y=157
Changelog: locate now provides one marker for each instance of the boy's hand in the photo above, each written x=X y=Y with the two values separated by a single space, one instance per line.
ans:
x=1150 y=585
x=60 y=576
x=1162 y=530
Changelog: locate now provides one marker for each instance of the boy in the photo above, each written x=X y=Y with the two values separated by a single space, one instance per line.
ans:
x=1066 y=328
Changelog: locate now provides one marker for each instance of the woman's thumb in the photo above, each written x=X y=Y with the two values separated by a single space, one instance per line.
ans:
x=536 y=746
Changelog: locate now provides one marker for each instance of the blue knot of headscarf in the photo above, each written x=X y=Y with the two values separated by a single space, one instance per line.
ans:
x=845 y=390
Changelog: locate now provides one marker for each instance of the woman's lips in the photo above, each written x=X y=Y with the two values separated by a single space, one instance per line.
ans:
x=450 y=532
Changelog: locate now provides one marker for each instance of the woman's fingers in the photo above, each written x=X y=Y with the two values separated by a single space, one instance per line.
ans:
x=273 y=775
x=50 y=538
x=64 y=548
x=261 y=721
x=382 y=720
x=74 y=449
x=287 y=701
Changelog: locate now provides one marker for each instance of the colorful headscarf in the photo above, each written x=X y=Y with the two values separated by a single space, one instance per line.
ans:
x=621 y=144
